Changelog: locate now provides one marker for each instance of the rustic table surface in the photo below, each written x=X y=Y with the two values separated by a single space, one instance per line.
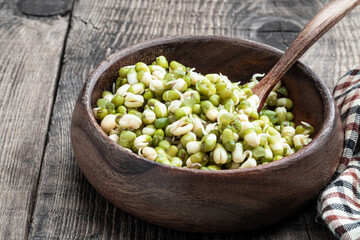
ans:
x=48 y=47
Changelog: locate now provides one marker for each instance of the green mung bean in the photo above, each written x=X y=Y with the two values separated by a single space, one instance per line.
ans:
x=171 y=114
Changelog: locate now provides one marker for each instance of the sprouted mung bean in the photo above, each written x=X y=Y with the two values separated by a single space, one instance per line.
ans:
x=171 y=114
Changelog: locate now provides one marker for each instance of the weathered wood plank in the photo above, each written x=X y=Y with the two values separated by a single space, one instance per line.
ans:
x=316 y=230
x=337 y=51
x=29 y=64
x=67 y=206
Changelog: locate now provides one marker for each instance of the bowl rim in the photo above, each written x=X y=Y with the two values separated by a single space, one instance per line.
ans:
x=315 y=144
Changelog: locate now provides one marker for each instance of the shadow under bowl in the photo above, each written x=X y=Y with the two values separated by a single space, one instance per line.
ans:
x=209 y=201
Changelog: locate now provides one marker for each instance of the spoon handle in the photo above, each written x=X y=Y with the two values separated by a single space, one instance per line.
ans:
x=320 y=24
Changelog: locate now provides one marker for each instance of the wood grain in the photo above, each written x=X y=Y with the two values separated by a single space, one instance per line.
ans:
x=67 y=206
x=337 y=51
x=29 y=65
x=315 y=29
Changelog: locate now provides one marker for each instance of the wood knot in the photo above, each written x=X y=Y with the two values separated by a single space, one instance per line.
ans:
x=44 y=8
x=278 y=33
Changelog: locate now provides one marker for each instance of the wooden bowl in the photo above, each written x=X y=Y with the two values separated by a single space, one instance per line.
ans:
x=209 y=201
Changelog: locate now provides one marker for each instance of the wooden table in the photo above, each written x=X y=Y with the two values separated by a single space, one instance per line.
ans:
x=47 y=50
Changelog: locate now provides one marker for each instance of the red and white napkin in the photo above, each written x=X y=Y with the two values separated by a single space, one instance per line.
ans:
x=339 y=204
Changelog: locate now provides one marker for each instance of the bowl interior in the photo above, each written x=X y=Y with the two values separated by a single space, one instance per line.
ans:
x=235 y=58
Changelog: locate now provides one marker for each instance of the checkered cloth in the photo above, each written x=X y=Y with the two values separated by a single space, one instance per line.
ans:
x=339 y=204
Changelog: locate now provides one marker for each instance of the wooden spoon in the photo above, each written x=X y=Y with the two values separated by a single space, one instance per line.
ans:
x=320 y=24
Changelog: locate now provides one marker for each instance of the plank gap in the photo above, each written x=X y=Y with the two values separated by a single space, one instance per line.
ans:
x=306 y=225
